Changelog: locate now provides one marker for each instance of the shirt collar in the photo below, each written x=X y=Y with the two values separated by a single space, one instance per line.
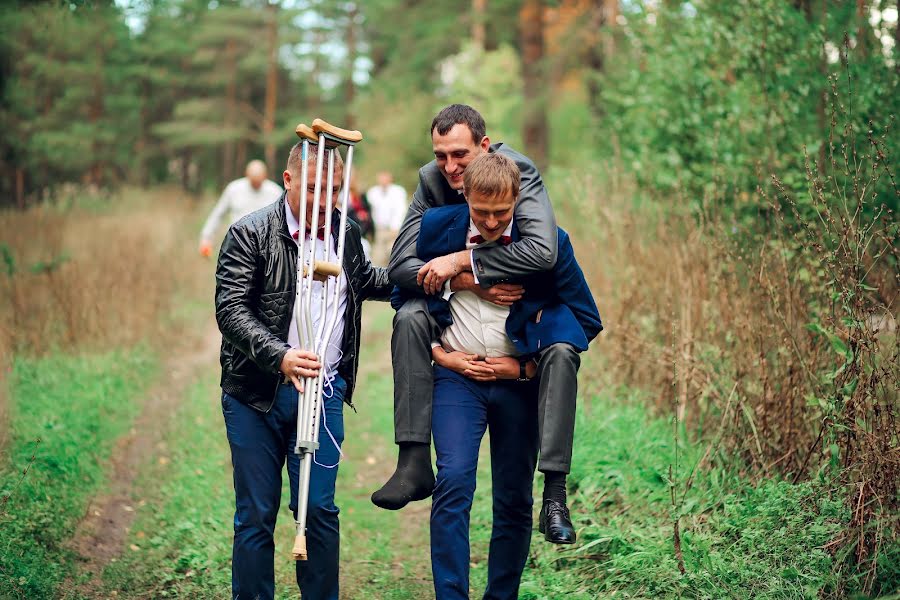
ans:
x=474 y=230
x=293 y=224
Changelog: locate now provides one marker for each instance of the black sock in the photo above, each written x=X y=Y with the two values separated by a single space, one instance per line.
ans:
x=414 y=456
x=413 y=479
x=555 y=486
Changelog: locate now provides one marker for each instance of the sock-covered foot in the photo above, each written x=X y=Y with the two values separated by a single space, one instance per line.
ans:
x=413 y=479
x=555 y=522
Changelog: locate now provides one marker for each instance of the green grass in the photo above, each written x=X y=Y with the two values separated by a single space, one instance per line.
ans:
x=66 y=413
x=739 y=540
x=180 y=542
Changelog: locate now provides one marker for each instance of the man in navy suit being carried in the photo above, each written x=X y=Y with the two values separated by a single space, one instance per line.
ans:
x=483 y=365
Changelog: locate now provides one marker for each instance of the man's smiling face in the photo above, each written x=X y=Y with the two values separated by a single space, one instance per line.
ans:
x=454 y=150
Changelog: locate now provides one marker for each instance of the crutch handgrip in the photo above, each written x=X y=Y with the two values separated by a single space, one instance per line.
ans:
x=326 y=269
x=305 y=131
x=336 y=134
x=299 y=551
x=323 y=270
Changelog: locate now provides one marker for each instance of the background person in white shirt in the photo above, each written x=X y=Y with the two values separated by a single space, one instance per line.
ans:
x=388 y=203
x=241 y=197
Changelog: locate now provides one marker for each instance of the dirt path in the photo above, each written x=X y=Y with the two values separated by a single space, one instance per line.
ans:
x=101 y=534
x=384 y=554
x=405 y=532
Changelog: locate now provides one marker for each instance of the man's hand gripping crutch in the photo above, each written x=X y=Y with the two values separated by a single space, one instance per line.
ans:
x=325 y=139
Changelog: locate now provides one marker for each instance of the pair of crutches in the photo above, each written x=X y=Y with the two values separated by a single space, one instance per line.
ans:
x=327 y=140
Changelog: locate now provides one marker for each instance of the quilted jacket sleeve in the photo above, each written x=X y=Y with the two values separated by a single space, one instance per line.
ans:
x=235 y=294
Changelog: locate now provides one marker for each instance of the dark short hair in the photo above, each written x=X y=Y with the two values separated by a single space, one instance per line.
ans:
x=295 y=158
x=459 y=114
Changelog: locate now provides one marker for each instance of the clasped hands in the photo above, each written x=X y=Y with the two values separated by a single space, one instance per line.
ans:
x=435 y=273
x=479 y=368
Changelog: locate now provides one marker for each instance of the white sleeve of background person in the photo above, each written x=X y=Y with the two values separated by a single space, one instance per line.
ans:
x=272 y=191
x=218 y=211
x=398 y=198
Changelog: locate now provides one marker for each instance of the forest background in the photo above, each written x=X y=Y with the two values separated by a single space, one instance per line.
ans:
x=727 y=168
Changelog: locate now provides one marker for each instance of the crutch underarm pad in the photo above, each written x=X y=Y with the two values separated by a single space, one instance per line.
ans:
x=305 y=131
x=342 y=136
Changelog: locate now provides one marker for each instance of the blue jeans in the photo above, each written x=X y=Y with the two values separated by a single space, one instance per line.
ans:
x=463 y=410
x=260 y=444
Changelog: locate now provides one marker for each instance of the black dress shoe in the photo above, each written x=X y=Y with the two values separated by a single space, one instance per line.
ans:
x=555 y=524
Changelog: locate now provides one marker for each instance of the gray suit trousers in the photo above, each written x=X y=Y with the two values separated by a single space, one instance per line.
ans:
x=414 y=330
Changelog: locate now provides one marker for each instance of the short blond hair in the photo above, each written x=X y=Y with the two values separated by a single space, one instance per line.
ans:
x=295 y=159
x=492 y=175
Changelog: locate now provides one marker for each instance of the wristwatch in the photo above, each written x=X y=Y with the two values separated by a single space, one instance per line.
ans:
x=522 y=364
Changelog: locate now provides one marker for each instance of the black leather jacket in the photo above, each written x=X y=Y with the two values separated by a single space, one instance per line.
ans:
x=255 y=289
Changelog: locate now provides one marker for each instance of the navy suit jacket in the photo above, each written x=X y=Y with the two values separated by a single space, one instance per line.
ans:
x=557 y=305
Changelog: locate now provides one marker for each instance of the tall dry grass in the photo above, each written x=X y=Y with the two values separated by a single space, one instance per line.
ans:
x=87 y=273
x=773 y=341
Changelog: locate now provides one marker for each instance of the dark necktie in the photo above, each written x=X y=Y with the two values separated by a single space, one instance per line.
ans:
x=321 y=234
x=503 y=240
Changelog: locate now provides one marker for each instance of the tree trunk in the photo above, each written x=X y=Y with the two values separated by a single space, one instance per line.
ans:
x=821 y=108
x=478 y=32
x=271 y=85
x=230 y=109
x=314 y=100
x=862 y=28
x=535 y=129
x=20 y=188
x=897 y=40
x=97 y=108
x=600 y=48
x=806 y=7
x=349 y=86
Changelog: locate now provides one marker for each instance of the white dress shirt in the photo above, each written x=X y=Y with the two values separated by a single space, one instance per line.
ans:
x=388 y=206
x=479 y=326
x=239 y=199
x=333 y=352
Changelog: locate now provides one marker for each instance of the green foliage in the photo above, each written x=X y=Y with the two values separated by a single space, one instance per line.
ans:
x=490 y=80
x=66 y=412
x=68 y=106
x=714 y=99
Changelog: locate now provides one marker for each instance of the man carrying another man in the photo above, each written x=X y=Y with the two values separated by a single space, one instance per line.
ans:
x=482 y=380
x=458 y=137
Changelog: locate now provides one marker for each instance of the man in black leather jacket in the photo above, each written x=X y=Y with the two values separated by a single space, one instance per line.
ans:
x=261 y=369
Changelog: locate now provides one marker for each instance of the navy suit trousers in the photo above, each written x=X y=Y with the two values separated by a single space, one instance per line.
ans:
x=261 y=443
x=463 y=411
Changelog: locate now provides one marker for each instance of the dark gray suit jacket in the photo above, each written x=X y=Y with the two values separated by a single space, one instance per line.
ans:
x=534 y=252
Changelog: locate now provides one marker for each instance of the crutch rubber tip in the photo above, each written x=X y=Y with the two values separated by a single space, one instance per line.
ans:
x=299 y=551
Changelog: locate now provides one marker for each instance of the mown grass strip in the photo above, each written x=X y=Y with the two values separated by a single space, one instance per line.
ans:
x=180 y=542
x=66 y=412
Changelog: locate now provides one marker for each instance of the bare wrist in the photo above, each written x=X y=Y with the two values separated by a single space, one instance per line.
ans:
x=462 y=282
